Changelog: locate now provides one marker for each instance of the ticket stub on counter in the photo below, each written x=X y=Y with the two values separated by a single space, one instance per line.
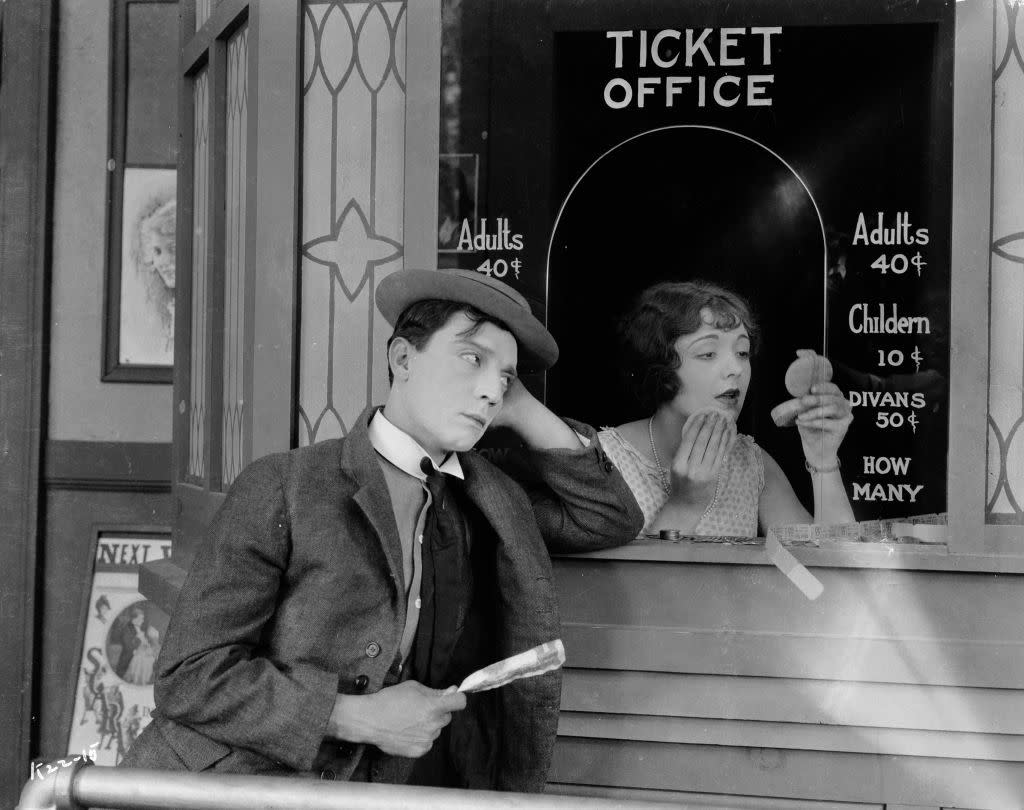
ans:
x=809 y=585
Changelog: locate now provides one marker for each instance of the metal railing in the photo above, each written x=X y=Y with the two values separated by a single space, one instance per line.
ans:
x=82 y=785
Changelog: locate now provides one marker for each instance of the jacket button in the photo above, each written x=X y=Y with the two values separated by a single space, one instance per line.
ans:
x=608 y=466
x=327 y=775
x=372 y=649
x=361 y=682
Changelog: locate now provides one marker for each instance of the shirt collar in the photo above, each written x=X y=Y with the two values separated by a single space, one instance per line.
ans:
x=404 y=451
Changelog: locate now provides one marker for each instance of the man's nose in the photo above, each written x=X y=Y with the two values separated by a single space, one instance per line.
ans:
x=489 y=387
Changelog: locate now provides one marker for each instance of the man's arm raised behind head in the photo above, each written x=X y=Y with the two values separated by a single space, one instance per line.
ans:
x=580 y=500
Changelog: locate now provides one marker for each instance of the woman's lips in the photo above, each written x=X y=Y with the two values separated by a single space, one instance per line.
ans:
x=730 y=397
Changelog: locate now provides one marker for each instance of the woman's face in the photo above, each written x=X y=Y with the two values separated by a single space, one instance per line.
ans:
x=156 y=241
x=714 y=369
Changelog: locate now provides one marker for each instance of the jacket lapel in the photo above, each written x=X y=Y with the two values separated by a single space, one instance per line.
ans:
x=487 y=494
x=359 y=462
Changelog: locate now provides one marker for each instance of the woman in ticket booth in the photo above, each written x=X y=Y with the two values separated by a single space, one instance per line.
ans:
x=686 y=354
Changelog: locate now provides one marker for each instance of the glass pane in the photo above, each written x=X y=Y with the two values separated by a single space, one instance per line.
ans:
x=1005 y=497
x=234 y=387
x=203 y=9
x=352 y=161
x=199 y=316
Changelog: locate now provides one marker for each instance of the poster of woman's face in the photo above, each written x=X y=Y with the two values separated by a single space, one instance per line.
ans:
x=147 y=268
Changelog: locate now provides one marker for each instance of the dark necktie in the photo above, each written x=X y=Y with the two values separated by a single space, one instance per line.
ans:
x=442 y=587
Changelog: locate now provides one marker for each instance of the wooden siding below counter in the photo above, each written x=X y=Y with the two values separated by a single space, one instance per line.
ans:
x=894 y=687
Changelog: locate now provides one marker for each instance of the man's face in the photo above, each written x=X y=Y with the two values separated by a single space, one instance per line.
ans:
x=455 y=385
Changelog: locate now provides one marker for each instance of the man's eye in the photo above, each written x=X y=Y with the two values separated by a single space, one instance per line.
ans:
x=471 y=357
x=706 y=355
x=506 y=383
x=745 y=354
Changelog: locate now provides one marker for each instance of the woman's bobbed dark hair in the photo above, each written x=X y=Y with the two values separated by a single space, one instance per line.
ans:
x=662 y=314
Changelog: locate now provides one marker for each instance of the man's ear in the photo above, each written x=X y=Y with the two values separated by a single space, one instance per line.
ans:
x=399 y=355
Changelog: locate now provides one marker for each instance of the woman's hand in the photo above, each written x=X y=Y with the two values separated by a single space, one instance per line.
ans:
x=823 y=423
x=707 y=438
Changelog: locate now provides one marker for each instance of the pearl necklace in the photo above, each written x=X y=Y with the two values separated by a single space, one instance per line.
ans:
x=666 y=485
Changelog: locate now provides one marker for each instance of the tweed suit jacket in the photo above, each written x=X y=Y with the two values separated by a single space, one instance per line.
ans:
x=297 y=593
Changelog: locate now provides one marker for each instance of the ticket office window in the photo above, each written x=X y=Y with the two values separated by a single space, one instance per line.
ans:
x=584 y=156
x=233 y=337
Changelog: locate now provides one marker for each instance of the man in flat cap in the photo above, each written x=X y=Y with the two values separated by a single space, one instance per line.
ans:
x=344 y=587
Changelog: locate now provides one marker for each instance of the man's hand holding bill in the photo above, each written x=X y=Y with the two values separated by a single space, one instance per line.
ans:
x=403 y=720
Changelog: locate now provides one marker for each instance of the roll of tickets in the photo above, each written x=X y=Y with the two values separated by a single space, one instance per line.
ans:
x=537 y=661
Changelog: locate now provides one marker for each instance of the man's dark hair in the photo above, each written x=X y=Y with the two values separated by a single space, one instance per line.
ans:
x=422 y=319
x=658 y=318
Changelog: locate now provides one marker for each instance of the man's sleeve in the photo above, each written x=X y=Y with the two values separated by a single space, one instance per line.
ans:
x=581 y=501
x=211 y=676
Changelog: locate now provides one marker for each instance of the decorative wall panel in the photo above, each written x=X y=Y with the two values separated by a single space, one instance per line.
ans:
x=352 y=199
x=203 y=9
x=235 y=288
x=1005 y=494
x=200 y=195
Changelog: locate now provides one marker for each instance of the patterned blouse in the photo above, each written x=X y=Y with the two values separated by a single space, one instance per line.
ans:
x=733 y=511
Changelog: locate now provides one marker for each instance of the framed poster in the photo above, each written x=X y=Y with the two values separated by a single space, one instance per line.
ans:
x=146 y=302
x=121 y=638
x=753 y=145
x=141 y=197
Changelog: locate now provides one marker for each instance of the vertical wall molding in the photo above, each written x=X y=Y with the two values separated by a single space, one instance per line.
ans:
x=971 y=220
x=422 y=133
x=27 y=84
